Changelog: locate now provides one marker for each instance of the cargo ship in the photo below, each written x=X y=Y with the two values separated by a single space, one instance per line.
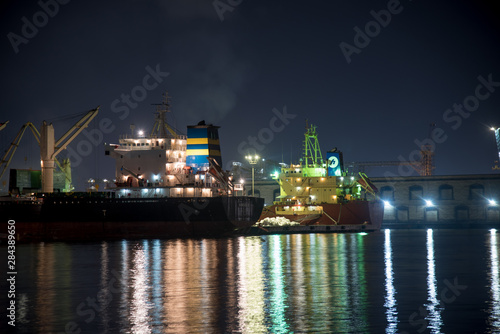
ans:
x=319 y=195
x=168 y=185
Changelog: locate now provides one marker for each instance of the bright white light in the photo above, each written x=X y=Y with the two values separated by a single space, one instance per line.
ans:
x=492 y=202
x=141 y=133
x=428 y=202
x=387 y=204
x=242 y=181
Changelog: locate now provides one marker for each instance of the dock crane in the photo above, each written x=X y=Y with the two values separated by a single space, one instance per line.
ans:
x=49 y=149
x=9 y=154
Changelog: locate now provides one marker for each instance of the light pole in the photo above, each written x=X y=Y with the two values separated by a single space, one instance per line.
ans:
x=252 y=159
x=497 y=139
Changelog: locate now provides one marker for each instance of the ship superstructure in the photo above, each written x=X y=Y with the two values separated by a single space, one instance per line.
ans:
x=171 y=164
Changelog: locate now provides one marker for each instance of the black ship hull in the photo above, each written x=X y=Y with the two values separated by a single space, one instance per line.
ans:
x=66 y=218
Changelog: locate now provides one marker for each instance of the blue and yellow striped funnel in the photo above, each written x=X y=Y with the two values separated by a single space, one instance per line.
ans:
x=202 y=142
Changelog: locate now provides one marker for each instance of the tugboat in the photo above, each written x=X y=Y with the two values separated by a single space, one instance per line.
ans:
x=319 y=195
x=167 y=185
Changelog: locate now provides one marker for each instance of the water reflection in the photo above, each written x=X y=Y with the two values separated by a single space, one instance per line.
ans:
x=105 y=293
x=45 y=302
x=333 y=283
x=250 y=286
x=278 y=297
x=140 y=290
x=298 y=283
x=124 y=288
x=494 y=318
x=156 y=281
x=433 y=305
x=390 y=292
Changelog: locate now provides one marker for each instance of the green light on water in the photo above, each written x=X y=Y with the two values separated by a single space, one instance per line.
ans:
x=363 y=233
x=279 y=297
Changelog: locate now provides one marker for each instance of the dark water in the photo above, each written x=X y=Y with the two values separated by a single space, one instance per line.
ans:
x=392 y=281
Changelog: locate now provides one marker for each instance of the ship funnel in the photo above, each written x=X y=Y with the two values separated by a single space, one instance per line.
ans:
x=202 y=143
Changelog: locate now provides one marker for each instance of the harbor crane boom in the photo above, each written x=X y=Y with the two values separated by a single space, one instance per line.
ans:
x=7 y=157
x=50 y=148
x=9 y=154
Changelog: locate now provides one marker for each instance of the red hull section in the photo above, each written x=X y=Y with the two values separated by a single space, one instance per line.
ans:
x=350 y=213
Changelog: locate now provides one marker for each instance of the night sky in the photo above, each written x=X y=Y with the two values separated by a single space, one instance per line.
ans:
x=372 y=75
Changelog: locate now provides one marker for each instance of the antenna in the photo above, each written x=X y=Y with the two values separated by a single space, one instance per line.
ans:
x=161 y=126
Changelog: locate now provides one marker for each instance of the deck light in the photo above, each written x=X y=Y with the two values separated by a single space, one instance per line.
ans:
x=492 y=202
x=428 y=203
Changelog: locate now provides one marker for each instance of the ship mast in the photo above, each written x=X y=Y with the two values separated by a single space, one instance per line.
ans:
x=312 y=151
x=161 y=126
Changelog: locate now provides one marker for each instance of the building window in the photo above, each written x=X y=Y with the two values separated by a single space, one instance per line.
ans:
x=402 y=213
x=431 y=214
x=462 y=213
x=493 y=214
x=476 y=192
x=445 y=192
x=416 y=192
x=387 y=193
